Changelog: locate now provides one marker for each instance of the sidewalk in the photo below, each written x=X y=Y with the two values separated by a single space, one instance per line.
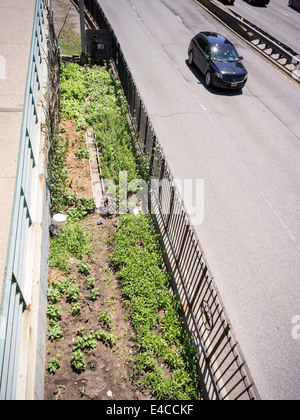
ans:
x=16 y=21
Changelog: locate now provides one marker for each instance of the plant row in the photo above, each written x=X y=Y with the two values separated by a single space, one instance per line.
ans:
x=166 y=361
x=68 y=289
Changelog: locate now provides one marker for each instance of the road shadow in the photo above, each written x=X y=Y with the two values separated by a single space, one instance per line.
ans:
x=213 y=90
x=264 y=6
x=227 y=3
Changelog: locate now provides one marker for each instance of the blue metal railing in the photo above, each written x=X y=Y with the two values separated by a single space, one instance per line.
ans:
x=13 y=301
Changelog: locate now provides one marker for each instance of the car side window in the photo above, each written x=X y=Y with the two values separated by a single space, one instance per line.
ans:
x=203 y=44
x=206 y=48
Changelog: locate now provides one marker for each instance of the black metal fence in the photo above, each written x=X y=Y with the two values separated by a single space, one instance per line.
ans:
x=223 y=370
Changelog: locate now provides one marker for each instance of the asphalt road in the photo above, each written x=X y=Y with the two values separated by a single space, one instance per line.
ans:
x=277 y=19
x=246 y=147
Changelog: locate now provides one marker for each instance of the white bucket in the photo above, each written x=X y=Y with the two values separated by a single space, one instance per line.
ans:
x=59 y=219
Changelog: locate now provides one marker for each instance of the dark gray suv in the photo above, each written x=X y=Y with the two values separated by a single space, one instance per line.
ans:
x=218 y=61
x=295 y=4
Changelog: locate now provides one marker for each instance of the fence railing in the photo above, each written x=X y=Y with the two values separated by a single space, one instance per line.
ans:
x=223 y=370
x=13 y=301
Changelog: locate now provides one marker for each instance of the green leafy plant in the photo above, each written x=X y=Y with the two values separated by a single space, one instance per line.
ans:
x=73 y=242
x=85 y=343
x=54 y=312
x=94 y=294
x=54 y=364
x=53 y=295
x=54 y=331
x=84 y=268
x=82 y=153
x=105 y=319
x=106 y=338
x=90 y=284
x=75 y=309
x=72 y=293
x=78 y=362
x=80 y=332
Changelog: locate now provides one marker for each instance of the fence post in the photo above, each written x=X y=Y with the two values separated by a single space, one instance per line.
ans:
x=171 y=207
x=183 y=243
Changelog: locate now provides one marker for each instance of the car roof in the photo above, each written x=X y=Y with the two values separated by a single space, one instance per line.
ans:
x=214 y=38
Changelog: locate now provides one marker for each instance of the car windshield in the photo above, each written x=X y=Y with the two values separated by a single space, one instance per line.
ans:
x=225 y=53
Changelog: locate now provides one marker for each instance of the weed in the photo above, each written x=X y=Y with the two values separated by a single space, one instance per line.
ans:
x=80 y=332
x=72 y=293
x=70 y=42
x=82 y=153
x=85 y=343
x=107 y=281
x=73 y=242
x=78 y=362
x=54 y=364
x=94 y=294
x=53 y=295
x=54 y=312
x=90 y=284
x=105 y=338
x=84 y=268
x=75 y=309
x=54 y=331
x=105 y=319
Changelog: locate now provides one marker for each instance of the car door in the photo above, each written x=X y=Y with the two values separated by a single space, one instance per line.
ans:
x=196 y=52
x=203 y=53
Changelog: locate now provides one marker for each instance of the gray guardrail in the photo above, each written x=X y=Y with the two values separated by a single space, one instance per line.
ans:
x=281 y=55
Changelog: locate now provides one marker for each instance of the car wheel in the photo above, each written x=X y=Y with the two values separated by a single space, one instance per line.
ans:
x=208 y=79
x=191 y=58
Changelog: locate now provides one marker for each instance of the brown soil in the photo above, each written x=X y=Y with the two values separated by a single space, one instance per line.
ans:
x=78 y=169
x=66 y=16
x=109 y=373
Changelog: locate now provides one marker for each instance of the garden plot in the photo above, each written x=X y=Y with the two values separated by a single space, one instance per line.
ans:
x=114 y=329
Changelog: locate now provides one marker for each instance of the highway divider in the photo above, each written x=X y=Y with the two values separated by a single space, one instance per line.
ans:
x=279 y=54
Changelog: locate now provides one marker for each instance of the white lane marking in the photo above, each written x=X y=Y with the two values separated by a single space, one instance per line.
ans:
x=179 y=18
x=253 y=11
x=278 y=216
x=281 y=11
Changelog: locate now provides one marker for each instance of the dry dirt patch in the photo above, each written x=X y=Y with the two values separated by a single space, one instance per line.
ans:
x=67 y=26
